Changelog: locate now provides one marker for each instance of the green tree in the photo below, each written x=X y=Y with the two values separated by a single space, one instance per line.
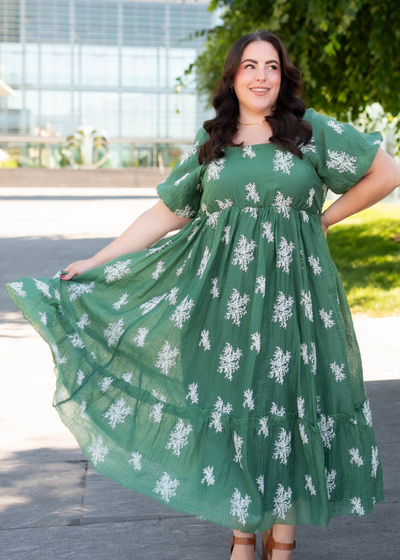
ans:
x=347 y=50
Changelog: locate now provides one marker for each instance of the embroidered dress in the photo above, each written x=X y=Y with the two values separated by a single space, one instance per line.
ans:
x=218 y=371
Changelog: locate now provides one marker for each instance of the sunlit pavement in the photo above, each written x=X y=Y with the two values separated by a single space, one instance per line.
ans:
x=53 y=504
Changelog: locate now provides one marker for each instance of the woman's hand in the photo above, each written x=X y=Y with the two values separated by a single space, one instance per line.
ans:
x=324 y=224
x=78 y=267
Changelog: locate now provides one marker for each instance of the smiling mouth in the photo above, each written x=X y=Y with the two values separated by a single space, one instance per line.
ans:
x=260 y=89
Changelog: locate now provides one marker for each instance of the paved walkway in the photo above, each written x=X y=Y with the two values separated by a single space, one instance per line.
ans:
x=53 y=504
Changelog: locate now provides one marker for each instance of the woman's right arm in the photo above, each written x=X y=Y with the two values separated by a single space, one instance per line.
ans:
x=148 y=228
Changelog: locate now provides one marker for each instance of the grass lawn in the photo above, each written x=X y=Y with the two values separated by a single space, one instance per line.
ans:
x=368 y=259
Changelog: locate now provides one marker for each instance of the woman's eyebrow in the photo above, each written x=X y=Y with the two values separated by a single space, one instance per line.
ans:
x=256 y=62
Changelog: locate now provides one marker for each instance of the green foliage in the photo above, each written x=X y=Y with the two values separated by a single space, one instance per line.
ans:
x=347 y=50
x=367 y=256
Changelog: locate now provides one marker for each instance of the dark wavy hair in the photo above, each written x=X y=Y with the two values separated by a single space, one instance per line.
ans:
x=288 y=130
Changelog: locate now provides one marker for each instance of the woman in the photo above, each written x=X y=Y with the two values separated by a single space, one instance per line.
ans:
x=218 y=370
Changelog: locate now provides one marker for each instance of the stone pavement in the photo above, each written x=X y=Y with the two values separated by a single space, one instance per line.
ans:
x=53 y=503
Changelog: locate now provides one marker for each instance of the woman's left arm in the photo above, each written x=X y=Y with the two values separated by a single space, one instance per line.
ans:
x=380 y=180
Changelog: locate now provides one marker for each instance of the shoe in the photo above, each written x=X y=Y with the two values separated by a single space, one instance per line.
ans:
x=271 y=544
x=243 y=540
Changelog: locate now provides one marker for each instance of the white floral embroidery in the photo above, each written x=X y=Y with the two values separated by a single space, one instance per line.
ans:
x=318 y=399
x=17 y=287
x=187 y=212
x=225 y=237
x=260 y=483
x=248 y=151
x=193 y=393
x=79 y=289
x=114 y=331
x=300 y=406
x=313 y=358
x=82 y=408
x=341 y=161
x=80 y=376
x=76 y=340
x=366 y=409
x=136 y=460
x=166 y=487
x=264 y=427
x=123 y=300
x=204 y=261
x=43 y=287
x=127 y=377
x=309 y=485
x=374 y=460
x=238 y=442
x=250 y=210
x=191 y=151
x=355 y=456
x=311 y=194
x=256 y=345
x=357 y=507
x=97 y=450
x=267 y=231
x=282 y=501
x=285 y=254
x=219 y=409
x=84 y=321
x=229 y=360
x=180 y=269
x=244 y=252
x=338 y=371
x=314 y=263
x=337 y=127
x=305 y=216
x=222 y=205
x=153 y=250
x=237 y=307
x=43 y=317
x=283 y=309
x=283 y=161
x=213 y=219
x=214 y=290
x=157 y=412
x=310 y=147
x=141 y=336
x=209 y=478
x=260 y=287
x=277 y=411
x=279 y=365
x=282 y=204
x=167 y=358
x=303 y=435
x=105 y=383
x=252 y=193
x=248 y=399
x=330 y=481
x=159 y=270
x=117 y=412
x=325 y=425
x=178 y=437
x=307 y=302
x=205 y=339
x=327 y=318
x=240 y=505
x=182 y=312
x=283 y=446
x=214 y=169
x=117 y=271
x=181 y=179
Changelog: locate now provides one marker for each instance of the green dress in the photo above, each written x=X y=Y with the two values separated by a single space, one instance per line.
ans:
x=218 y=371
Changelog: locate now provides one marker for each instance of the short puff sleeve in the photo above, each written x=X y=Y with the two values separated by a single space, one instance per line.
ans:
x=340 y=153
x=181 y=192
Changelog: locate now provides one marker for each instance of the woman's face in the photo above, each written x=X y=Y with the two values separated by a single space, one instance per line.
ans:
x=258 y=78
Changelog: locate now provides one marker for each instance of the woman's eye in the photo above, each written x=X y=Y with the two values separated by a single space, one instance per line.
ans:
x=274 y=67
x=249 y=65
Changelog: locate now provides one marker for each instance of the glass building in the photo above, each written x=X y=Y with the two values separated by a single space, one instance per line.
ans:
x=114 y=63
